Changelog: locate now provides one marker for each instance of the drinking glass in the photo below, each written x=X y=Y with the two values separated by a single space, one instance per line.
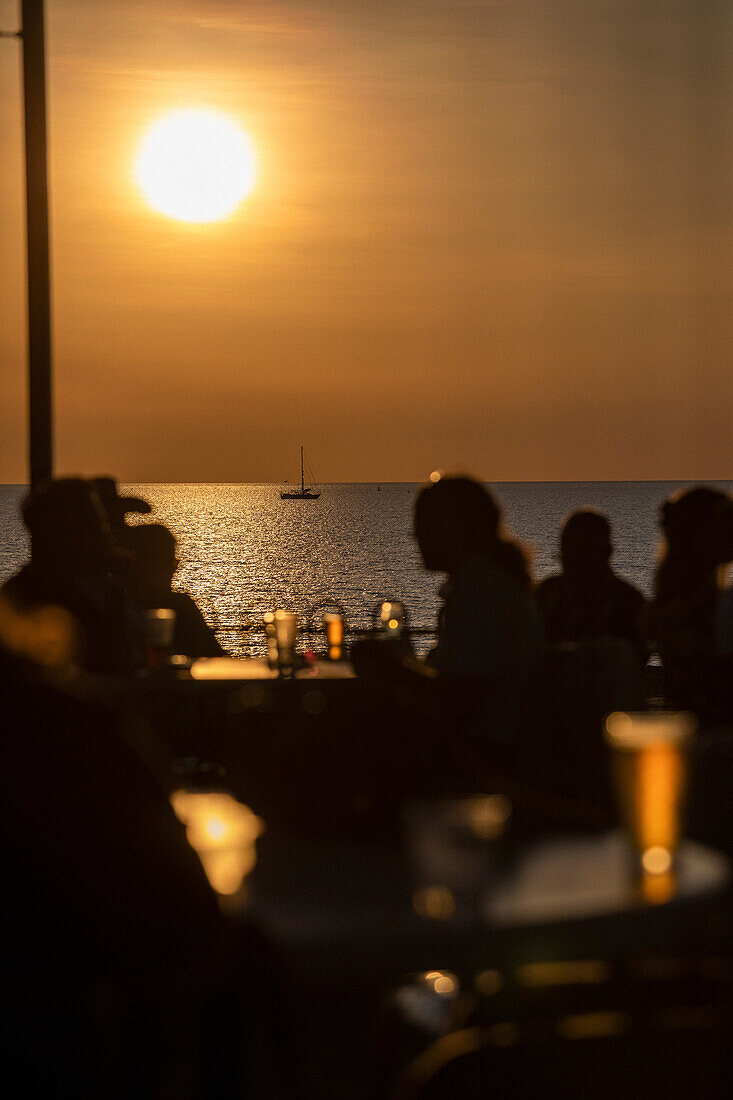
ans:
x=286 y=631
x=333 y=627
x=649 y=763
x=455 y=845
x=160 y=623
x=268 y=620
x=392 y=618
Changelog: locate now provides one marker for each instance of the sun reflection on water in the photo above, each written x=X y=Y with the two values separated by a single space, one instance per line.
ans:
x=245 y=552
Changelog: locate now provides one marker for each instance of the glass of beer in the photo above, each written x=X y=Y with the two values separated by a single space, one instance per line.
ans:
x=333 y=628
x=286 y=631
x=159 y=626
x=649 y=762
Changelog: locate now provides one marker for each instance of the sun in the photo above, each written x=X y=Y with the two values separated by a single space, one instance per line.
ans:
x=195 y=165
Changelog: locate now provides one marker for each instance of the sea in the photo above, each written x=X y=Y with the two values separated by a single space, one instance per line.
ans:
x=243 y=551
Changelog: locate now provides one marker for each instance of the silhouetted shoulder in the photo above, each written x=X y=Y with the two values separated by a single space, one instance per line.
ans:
x=575 y=607
x=193 y=635
x=626 y=596
x=548 y=588
x=630 y=591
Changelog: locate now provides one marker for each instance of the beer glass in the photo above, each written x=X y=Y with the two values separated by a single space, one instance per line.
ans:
x=160 y=623
x=333 y=627
x=286 y=631
x=649 y=763
x=456 y=851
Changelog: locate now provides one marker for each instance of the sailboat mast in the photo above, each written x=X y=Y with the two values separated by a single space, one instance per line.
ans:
x=302 y=480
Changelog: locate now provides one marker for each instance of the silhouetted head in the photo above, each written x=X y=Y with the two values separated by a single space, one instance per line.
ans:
x=698 y=531
x=154 y=560
x=117 y=506
x=457 y=518
x=67 y=524
x=585 y=542
x=697 y=518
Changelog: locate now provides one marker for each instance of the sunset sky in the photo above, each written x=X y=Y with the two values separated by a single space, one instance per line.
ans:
x=493 y=236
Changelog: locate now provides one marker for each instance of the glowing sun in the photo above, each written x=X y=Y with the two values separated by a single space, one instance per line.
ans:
x=195 y=165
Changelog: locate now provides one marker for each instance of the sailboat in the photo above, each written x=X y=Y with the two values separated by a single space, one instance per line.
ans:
x=305 y=492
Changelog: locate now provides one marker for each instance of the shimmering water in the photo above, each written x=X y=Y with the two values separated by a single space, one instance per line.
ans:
x=244 y=551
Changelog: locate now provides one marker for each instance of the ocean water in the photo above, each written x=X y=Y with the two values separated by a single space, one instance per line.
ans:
x=244 y=551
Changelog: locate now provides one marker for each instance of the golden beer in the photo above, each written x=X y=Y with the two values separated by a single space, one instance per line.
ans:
x=648 y=757
x=333 y=625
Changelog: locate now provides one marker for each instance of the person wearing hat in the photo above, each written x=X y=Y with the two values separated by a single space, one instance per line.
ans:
x=72 y=565
x=116 y=506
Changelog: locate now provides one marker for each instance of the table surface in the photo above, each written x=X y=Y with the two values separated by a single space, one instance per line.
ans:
x=339 y=907
x=552 y=880
x=231 y=668
x=580 y=877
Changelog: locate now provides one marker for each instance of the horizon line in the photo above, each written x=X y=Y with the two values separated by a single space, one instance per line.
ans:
x=424 y=481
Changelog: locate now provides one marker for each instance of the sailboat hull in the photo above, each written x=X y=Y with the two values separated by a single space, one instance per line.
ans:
x=305 y=492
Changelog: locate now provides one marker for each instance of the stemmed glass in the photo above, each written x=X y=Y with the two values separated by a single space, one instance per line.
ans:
x=390 y=618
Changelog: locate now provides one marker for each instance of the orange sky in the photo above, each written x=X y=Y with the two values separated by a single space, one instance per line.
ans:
x=492 y=236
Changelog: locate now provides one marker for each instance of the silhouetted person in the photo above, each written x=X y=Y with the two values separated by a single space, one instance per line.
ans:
x=151 y=571
x=72 y=566
x=688 y=612
x=595 y=654
x=587 y=600
x=489 y=634
x=117 y=507
x=489 y=637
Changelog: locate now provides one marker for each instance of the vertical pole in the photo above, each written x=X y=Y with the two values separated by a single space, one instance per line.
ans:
x=302 y=479
x=39 y=289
